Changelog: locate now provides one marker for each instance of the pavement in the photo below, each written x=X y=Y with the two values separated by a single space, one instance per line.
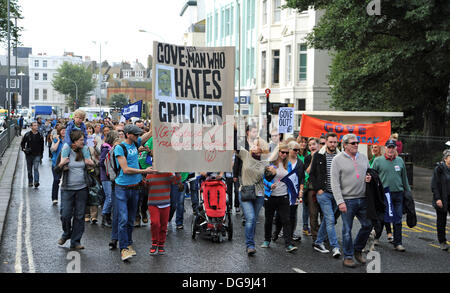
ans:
x=7 y=172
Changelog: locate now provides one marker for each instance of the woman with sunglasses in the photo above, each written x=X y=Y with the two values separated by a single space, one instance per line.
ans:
x=277 y=197
x=294 y=163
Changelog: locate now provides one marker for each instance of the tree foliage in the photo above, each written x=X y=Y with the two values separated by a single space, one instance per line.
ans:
x=68 y=75
x=15 y=12
x=397 y=61
x=118 y=101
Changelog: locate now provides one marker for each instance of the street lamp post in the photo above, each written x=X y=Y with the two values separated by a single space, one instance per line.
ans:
x=21 y=87
x=100 y=78
x=76 y=91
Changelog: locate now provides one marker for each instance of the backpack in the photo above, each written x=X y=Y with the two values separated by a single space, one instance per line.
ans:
x=111 y=167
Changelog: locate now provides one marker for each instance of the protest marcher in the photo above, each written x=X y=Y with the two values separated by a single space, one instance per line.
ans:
x=392 y=171
x=92 y=205
x=56 y=150
x=74 y=191
x=320 y=179
x=76 y=124
x=440 y=186
x=398 y=143
x=309 y=192
x=302 y=153
x=32 y=145
x=128 y=183
x=252 y=188
x=348 y=183
x=295 y=199
x=158 y=186
x=277 y=198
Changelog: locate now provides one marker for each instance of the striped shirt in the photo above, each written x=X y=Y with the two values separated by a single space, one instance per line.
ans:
x=330 y=158
x=159 y=187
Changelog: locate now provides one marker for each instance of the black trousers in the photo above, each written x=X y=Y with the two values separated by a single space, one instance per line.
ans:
x=280 y=204
x=230 y=186
x=292 y=221
x=441 y=222
x=142 y=204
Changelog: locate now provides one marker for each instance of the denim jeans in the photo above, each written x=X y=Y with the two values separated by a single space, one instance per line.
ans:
x=126 y=203
x=115 y=215
x=328 y=207
x=33 y=167
x=397 y=202
x=355 y=207
x=73 y=204
x=180 y=206
x=107 y=205
x=174 y=199
x=193 y=187
x=55 y=185
x=251 y=211
x=305 y=215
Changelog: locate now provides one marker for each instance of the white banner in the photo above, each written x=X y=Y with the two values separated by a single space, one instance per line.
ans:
x=286 y=120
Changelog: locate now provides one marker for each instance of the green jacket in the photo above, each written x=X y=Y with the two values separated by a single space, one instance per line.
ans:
x=143 y=156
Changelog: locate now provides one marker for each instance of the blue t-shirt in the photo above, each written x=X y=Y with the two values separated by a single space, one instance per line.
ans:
x=132 y=162
x=55 y=154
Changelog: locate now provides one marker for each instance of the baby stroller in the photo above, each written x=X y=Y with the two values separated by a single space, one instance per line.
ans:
x=214 y=214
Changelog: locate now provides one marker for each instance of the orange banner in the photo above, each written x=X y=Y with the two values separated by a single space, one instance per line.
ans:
x=376 y=133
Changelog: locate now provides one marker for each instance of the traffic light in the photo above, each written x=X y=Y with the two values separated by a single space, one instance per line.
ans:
x=275 y=107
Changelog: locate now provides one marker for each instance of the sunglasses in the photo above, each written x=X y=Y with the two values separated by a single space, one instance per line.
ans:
x=296 y=150
x=285 y=153
x=354 y=143
x=321 y=143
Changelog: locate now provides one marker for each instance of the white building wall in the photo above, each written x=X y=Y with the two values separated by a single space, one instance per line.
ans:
x=54 y=98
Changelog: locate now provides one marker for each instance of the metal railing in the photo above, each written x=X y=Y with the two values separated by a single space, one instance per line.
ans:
x=425 y=151
x=7 y=136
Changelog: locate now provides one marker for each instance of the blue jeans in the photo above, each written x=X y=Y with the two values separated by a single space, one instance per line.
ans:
x=180 y=206
x=397 y=202
x=305 y=216
x=107 y=205
x=251 y=211
x=115 y=216
x=33 y=167
x=73 y=205
x=126 y=203
x=55 y=185
x=328 y=207
x=355 y=207
x=193 y=187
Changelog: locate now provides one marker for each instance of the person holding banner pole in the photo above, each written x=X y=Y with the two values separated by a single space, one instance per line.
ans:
x=277 y=197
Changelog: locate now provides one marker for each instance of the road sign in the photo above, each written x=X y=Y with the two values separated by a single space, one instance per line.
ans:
x=267 y=91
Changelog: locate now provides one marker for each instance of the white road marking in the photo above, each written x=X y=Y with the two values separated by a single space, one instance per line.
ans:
x=18 y=263
x=299 y=271
x=28 y=233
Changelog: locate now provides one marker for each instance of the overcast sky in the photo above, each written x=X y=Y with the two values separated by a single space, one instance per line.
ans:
x=55 y=26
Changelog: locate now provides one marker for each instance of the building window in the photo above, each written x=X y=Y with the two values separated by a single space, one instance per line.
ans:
x=36 y=63
x=265 y=12
x=302 y=62
x=36 y=76
x=44 y=94
x=276 y=11
x=216 y=26
x=263 y=69
x=36 y=94
x=301 y=104
x=275 y=66
x=44 y=63
x=12 y=83
x=288 y=63
x=227 y=22
x=44 y=76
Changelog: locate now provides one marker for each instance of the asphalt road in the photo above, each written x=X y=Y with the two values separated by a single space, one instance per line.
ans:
x=33 y=228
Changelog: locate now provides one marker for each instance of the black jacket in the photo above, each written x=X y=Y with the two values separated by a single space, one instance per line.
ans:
x=439 y=188
x=35 y=142
x=409 y=209
x=375 y=197
x=318 y=173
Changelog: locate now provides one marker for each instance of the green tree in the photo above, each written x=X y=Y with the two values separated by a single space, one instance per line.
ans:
x=397 y=61
x=15 y=12
x=118 y=101
x=68 y=75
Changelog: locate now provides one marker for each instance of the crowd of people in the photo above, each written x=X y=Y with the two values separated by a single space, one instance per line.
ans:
x=332 y=182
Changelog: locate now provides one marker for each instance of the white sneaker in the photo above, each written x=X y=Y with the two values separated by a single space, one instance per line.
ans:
x=320 y=248
x=55 y=202
x=336 y=252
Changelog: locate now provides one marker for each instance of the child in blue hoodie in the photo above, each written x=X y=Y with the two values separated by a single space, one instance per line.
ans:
x=76 y=124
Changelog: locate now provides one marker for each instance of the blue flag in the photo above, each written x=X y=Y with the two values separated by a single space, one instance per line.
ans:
x=293 y=185
x=132 y=110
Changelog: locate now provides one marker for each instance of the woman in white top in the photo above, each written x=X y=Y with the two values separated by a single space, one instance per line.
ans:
x=277 y=198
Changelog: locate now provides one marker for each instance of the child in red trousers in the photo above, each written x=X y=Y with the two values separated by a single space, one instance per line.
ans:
x=159 y=207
